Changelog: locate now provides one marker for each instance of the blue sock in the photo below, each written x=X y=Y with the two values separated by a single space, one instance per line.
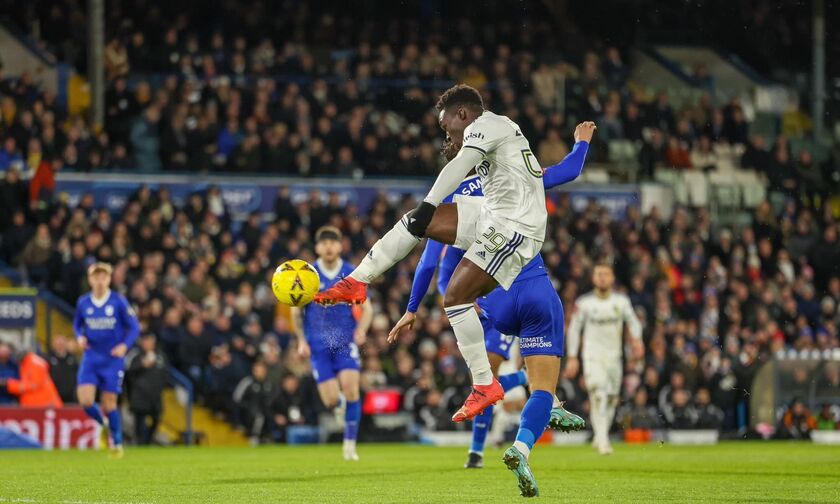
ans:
x=93 y=412
x=534 y=419
x=352 y=416
x=481 y=424
x=513 y=380
x=115 y=424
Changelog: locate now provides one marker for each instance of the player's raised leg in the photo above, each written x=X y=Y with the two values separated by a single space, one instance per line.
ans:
x=389 y=250
x=349 y=381
x=543 y=371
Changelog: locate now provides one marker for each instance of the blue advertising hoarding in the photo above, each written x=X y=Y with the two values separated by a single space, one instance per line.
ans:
x=17 y=308
x=244 y=195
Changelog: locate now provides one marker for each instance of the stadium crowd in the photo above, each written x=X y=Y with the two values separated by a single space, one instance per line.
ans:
x=191 y=97
x=714 y=301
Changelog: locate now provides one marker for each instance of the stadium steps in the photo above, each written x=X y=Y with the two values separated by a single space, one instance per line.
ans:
x=210 y=430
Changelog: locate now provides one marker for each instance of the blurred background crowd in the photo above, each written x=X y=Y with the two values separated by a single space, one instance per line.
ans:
x=190 y=93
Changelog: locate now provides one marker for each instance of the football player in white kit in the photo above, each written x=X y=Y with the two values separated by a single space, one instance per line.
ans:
x=600 y=316
x=500 y=233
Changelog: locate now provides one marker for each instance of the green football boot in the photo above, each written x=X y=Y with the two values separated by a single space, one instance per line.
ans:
x=518 y=464
x=565 y=421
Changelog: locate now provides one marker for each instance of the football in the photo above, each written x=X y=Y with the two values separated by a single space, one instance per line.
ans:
x=295 y=283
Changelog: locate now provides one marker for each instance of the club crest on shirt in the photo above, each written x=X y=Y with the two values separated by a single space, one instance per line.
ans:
x=109 y=311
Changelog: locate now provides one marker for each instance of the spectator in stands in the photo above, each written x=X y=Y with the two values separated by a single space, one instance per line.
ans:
x=145 y=140
x=194 y=350
x=221 y=382
x=703 y=156
x=253 y=397
x=37 y=253
x=15 y=237
x=34 y=388
x=797 y=422
x=666 y=394
x=42 y=185
x=13 y=197
x=8 y=370
x=653 y=153
x=827 y=419
x=64 y=366
x=680 y=414
x=294 y=404
x=677 y=155
x=10 y=156
x=146 y=377
x=709 y=416
x=116 y=59
x=639 y=414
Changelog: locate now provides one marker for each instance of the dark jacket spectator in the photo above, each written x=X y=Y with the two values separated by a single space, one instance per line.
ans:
x=64 y=366
x=146 y=377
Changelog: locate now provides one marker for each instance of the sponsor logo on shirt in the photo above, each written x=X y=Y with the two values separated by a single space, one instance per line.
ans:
x=100 y=323
x=474 y=134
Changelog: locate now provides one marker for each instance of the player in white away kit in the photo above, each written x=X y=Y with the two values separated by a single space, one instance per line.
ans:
x=601 y=316
x=500 y=233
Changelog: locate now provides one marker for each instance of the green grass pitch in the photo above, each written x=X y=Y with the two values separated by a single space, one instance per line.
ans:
x=729 y=472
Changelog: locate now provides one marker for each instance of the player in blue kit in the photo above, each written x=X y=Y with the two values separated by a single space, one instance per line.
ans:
x=331 y=338
x=105 y=327
x=530 y=309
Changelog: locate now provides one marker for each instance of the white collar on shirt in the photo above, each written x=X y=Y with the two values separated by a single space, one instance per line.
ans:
x=99 y=303
x=333 y=272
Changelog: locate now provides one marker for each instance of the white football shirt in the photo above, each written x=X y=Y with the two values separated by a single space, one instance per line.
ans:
x=511 y=176
x=601 y=320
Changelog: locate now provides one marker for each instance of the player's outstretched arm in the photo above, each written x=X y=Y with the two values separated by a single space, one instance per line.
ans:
x=79 y=327
x=423 y=274
x=363 y=325
x=303 y=346
x=571 y=166
x=573 y=342
x=132 y=325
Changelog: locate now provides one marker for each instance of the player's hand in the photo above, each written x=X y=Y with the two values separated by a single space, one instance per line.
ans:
x=280 y=420
x=82 y=342
x=638 y=349
x=585 y=131
x=572 y=367
x=119 y=350
x=303 y=349
x=407 y=320
x=359 y=337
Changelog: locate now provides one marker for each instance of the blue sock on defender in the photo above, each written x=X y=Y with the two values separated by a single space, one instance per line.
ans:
x=513 y=380
x=481 y=425
x=535 y=417
x=93 y=412
x=115 y=424
x=352 y=417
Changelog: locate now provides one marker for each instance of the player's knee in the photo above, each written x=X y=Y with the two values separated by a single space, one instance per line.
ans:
x=85 y=402
x=455 y=295
x=417 y=220
x=351 y=395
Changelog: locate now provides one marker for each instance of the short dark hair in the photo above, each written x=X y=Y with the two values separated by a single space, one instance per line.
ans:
x=327 y=233
x=460 y=94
